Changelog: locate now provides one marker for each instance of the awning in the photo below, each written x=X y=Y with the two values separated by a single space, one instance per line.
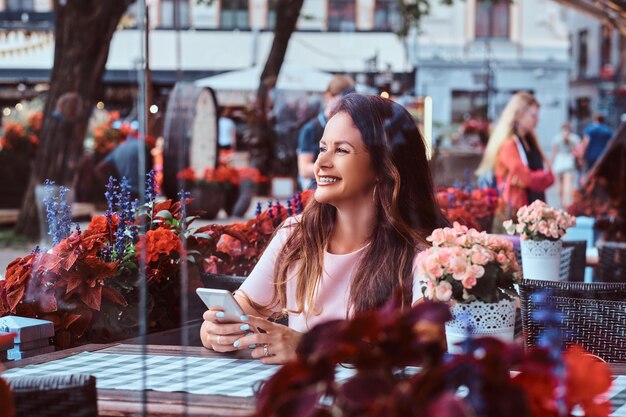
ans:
x=610 y=11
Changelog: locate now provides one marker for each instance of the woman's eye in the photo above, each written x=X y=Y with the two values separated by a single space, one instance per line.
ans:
x=342 y=150
x=322 y=148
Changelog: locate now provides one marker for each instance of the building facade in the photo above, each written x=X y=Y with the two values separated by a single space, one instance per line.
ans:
x=597 y=77
x=349 y=36
x=470 y=57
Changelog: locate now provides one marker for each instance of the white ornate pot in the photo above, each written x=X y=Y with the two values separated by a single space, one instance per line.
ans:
x=480 y=319
x=541 y=259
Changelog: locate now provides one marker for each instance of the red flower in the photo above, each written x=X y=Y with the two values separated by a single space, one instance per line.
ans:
x=187 y=174
x=230 y=245
x=158 y=242
x=587 y=379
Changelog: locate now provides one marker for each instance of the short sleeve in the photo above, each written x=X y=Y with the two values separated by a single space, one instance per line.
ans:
x=259 y=286
x=306 y=141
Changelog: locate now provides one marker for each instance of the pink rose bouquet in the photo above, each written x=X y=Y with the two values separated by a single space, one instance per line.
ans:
x=538 y=221
x=466 y=265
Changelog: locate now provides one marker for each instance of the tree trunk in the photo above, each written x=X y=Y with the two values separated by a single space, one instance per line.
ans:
x=83 y=33
x=287 y=13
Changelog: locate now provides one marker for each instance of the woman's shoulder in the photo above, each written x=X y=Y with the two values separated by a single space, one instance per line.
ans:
x=508 y=146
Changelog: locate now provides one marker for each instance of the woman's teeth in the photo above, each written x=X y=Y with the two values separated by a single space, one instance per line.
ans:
x=327 y=179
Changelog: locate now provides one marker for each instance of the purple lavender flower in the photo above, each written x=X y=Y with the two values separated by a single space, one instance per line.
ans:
x=552 y=339
x=58 y=212
x=111 y=194
x=150 y=187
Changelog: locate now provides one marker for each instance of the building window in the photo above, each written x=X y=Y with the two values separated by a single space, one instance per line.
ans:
x=341 y=15
x=582 y=53
x=467 y=105
x=605 y=46
x=271 y=14
x=234 y=14
x=492 y=19
x=20 y=5
x=386 y=15
x=168 y=11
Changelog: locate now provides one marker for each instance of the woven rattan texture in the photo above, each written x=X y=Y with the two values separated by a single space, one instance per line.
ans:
x=55 y=396
x=577 y=260
x=612 y=262
x=594 y=315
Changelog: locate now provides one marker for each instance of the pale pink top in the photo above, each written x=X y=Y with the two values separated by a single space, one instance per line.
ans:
x=332 y=295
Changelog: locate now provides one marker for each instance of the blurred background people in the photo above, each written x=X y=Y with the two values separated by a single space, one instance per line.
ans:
x=595 y=139
x=311 y=133
x=564 y=162
x=513 y=156
x=123 y=161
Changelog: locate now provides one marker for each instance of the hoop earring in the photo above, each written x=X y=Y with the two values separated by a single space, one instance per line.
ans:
x=374 y=194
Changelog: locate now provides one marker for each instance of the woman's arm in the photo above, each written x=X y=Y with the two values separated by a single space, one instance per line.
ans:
x=258 y=287
x=538 y=180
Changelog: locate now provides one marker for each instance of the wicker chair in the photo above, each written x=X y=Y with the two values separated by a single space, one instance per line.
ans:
x=594 y=315
x=578 y=259
x=612 y=262
x=55 y=396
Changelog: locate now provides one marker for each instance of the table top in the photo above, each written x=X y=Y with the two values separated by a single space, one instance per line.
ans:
x=127 y=402
x=117 y=402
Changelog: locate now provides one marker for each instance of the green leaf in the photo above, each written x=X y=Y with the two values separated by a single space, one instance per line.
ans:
x=189 y=219
x=165 y=214
x=203 y=236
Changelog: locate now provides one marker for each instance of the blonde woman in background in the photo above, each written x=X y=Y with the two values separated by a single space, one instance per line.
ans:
x=513 y=156
x=564 y=162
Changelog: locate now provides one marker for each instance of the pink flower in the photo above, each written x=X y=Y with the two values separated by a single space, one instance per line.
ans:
x=443 y=291
x=481 y=255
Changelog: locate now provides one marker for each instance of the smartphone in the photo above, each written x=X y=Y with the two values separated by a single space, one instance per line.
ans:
x=214 y=298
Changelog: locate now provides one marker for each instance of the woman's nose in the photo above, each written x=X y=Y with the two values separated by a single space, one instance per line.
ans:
x=323 y=160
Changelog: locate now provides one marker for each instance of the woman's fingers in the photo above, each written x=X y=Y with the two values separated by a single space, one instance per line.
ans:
x=276 y=346
x=217 y=315
x=264 y=324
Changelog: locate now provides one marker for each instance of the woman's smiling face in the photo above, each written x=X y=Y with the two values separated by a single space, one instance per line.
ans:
x=343 y=169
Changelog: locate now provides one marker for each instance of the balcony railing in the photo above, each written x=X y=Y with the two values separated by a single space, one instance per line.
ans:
x=27 y=20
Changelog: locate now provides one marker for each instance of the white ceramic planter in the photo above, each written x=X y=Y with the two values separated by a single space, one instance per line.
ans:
x=480 y=319
x=541 y=259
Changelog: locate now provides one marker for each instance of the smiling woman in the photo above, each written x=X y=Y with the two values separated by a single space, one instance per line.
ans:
x=353 y=246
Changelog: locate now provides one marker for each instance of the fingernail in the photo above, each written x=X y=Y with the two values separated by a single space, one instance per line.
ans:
x=249 y=334
x=219 y=314
x=243 y=318
x=244 y=327
x=251 y=346
x=236 y=344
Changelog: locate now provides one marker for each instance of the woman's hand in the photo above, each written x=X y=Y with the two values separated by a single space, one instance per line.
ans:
x=276 y=346
x=221 y=336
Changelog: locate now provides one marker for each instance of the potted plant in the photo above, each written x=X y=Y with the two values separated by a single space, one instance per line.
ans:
x=87 y=284
x=540 y=228
x=475 y=273
x=472 y=207
x=209 y=191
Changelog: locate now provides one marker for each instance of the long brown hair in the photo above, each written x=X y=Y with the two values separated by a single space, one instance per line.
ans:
x=406 y=212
